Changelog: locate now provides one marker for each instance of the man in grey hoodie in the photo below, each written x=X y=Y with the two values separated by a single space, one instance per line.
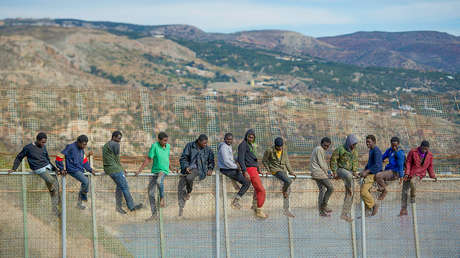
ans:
x=228 y=167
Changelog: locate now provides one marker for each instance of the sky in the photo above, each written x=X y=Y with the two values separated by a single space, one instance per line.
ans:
x=313 y=18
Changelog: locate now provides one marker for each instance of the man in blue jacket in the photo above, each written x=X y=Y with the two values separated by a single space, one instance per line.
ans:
x=373 y=167
x=394 y=169
x=76 y=163
x=197 y=159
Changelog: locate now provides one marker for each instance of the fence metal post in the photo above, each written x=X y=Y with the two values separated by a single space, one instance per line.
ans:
x=227 y=239
x=291 y=243
x=363 y=229
x=93 y=210
x=353 y=231
x=64 y=219
x=24 y=211
x=414 y=218
x=217 y=216
x=160 y=221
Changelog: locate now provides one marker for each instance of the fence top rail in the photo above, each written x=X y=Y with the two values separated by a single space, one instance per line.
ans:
x=441 y=178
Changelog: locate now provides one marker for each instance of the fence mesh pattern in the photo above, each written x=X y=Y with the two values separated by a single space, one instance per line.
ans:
x=301 y=120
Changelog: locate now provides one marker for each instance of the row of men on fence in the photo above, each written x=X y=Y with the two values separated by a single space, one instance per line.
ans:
x=197 y=162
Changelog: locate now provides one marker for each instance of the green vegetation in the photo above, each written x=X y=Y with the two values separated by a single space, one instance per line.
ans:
x=338 y=78
x=115 y=79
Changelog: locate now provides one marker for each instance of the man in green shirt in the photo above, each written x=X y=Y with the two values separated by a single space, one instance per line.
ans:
x=113 y=168
x=344 y=164
x=159 y=154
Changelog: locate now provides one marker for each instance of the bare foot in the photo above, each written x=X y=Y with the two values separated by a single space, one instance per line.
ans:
x=346 y=218
x=375 y=209
x=382 y=195
x=162 y=202
x=289 y=214
x=403 y=212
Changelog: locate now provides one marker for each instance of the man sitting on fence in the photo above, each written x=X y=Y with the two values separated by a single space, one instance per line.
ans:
x=228 y=167
x=197 y=159
x=373 y=167
x=39 y=162
x=248 y=162
x=113 y=168
x=276 y=161
x=76 y=163
x=320 y=173
x=394 y=169
x=344 y=164
x=159 y=154
x=418 y=162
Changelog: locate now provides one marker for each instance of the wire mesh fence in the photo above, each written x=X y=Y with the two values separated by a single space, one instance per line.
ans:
x=301 y=120
x=241 y=234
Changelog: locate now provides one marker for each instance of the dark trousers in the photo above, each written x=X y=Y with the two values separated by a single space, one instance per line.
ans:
x=83 y=179
x=325 y=191
x=185 y=186
x=236 y=175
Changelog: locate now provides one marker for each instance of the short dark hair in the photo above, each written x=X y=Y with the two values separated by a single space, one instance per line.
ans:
x=116 y=134
x=228 y=135
x=326 y=140
x=82 y=138
x=41 y=135
x=162 y=135
x=202 y=137
x=395 y=139
x=371 y=137
x=425 y=143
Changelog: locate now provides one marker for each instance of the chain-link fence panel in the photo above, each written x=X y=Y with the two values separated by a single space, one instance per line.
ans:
x=12 y=236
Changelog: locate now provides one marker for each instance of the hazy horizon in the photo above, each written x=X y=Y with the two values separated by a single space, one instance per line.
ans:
x=312 y=18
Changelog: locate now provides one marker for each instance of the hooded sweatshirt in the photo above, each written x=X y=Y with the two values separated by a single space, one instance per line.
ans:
x=344 y=157
x=246 y=152
x=225 y=158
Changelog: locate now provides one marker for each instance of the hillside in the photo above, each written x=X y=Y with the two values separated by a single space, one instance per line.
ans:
x=425 y=50
x=421 y=50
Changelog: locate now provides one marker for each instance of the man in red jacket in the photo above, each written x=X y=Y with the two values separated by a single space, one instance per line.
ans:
x=419 y=160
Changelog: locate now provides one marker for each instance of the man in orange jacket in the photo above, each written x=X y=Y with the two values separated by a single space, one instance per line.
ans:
x=418 y=162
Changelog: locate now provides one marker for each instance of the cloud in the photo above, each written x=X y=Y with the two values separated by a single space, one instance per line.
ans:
x=417 y=12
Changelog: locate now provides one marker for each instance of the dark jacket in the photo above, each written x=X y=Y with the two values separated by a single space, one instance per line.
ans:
x=75 y=159
x=37 y=157
x=273 y=164
x=204 y=158
x=246 y=158
x=374 y=163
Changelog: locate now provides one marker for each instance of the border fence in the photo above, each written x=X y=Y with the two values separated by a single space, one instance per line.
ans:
x=210 y=228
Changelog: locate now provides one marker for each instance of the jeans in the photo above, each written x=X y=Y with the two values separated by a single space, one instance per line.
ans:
x=412 y=185
x=185 y=186
x=236 y=175
x=53 y=187
x=152 y=188
x=283 y=176
x=122 y=189
x=347 y=178
x=323 y=196
x=80 y=176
